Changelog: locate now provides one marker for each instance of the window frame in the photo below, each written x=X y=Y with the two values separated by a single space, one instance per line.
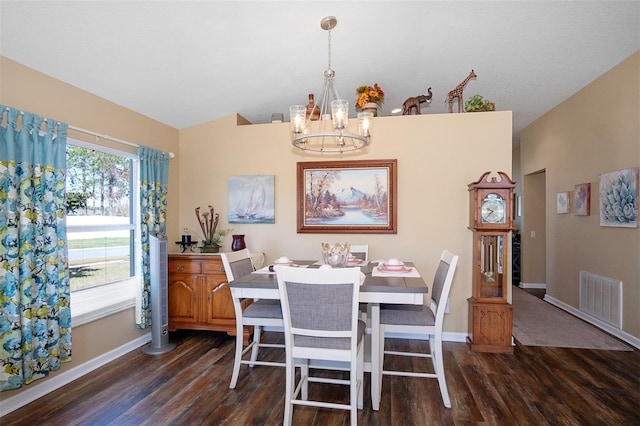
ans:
x=94 y=303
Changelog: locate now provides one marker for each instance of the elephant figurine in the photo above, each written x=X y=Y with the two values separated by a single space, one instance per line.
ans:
x=413 y=103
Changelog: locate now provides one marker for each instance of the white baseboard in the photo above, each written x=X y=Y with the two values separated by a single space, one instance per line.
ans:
x=37 y=390
x=541 y=286
x=630 y=339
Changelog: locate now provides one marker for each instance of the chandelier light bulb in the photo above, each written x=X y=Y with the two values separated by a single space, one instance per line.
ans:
x=298 y=119
x=365 y=120
x=340 y=114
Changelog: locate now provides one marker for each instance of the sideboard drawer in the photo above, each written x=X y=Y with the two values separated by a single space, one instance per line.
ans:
x=185 y=266
x=212 y=266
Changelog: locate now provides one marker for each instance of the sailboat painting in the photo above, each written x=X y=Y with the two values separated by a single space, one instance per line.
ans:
x=251 y=199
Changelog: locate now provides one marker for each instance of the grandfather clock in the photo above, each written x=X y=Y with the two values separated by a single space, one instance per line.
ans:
x=491 y=220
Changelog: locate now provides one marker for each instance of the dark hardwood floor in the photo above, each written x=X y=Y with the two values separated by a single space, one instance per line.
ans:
x=189 y=386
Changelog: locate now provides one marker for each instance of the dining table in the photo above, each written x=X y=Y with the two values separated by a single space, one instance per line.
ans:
x=377 y=288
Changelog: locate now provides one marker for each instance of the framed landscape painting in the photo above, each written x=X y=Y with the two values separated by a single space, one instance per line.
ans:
x=341 y=197
x=582 y=200
x=619 y=198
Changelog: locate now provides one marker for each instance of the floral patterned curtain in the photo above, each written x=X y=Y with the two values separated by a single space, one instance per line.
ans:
x=154 y=175
x=35 y=316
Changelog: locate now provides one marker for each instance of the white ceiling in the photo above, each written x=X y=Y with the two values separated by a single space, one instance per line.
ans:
x=186 y=62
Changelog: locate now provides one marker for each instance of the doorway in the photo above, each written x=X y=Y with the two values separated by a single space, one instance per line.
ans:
x=533 y=235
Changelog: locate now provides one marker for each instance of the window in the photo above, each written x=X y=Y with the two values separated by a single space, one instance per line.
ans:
x=102 y=229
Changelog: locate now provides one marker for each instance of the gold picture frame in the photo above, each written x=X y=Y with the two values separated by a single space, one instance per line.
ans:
x=347 y=197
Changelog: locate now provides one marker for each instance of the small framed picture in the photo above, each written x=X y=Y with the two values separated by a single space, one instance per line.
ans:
x=582 y=200
x=563 y=202
x=252 y=199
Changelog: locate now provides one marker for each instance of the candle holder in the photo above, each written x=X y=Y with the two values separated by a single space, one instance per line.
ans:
x=191 y=245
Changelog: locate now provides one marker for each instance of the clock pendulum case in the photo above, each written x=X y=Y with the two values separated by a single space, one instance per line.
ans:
x=491 y=221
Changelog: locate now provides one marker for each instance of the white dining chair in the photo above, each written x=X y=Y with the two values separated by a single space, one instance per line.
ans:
x=360 y=251
x=258 y=314
x=406 y=321
x=320 y=311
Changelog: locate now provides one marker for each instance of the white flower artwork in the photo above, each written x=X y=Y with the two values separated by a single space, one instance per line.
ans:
x=563 y=202
x=619 y=198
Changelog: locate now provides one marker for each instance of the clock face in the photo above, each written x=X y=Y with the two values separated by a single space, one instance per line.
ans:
x=493 y=209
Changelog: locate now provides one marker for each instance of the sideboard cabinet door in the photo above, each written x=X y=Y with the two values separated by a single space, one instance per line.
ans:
x=199 y=295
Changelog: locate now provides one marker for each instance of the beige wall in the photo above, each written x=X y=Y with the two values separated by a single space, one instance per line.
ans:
x=438 y=155
x=29 y=90
x=593 y=132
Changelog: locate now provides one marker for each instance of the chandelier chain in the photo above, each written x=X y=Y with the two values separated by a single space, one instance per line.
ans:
x=329 y=38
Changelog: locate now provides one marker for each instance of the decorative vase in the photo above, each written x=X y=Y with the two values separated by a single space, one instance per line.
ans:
x=209 y=249
x=372 y=107
x=238 y=243
x=336 y=255
x=313 y=110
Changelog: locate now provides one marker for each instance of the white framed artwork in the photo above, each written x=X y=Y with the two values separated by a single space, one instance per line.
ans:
x=619 y=198
x=562 y=202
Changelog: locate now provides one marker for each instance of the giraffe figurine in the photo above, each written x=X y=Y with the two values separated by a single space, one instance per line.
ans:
x=457 y=92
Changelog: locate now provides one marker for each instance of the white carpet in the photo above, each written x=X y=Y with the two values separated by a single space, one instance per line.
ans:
x=538 y=323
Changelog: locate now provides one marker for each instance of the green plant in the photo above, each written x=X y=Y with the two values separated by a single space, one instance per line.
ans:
x=217 y=238
x=476 y=103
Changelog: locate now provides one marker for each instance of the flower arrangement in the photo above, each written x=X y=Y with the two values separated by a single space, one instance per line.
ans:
x=208 y=221
x=368 y=94
x=218 y=237
x=208 y=224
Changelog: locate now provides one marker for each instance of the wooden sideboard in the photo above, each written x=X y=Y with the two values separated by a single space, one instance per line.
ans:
x=199 y=297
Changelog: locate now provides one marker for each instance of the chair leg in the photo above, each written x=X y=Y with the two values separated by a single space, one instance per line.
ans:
x=354 y=399
x=354 y=412
x=304 y=375
x=257 y=331
x=435 y=344
x=360 y=376
x=381 y=358
x=236 y=361
x=290 y=386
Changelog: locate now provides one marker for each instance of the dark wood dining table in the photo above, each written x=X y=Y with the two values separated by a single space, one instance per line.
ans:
x=374 y=291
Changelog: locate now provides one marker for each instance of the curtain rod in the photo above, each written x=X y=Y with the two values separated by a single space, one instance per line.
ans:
x=98 y=135
x=111 y=138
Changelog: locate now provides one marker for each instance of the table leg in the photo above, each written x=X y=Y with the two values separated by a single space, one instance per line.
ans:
x=376 y=368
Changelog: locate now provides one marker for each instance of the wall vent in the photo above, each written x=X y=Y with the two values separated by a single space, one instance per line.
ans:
x=601 y=297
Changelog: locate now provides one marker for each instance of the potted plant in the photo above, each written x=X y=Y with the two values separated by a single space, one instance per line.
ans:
x=369 y=98
x=476 y=103
x=213 y=244
x=208 y=224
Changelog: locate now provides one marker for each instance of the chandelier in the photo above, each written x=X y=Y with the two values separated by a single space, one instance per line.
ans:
x=329 y=133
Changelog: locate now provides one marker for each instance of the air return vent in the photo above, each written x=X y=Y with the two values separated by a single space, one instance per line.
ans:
x=601 y=297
